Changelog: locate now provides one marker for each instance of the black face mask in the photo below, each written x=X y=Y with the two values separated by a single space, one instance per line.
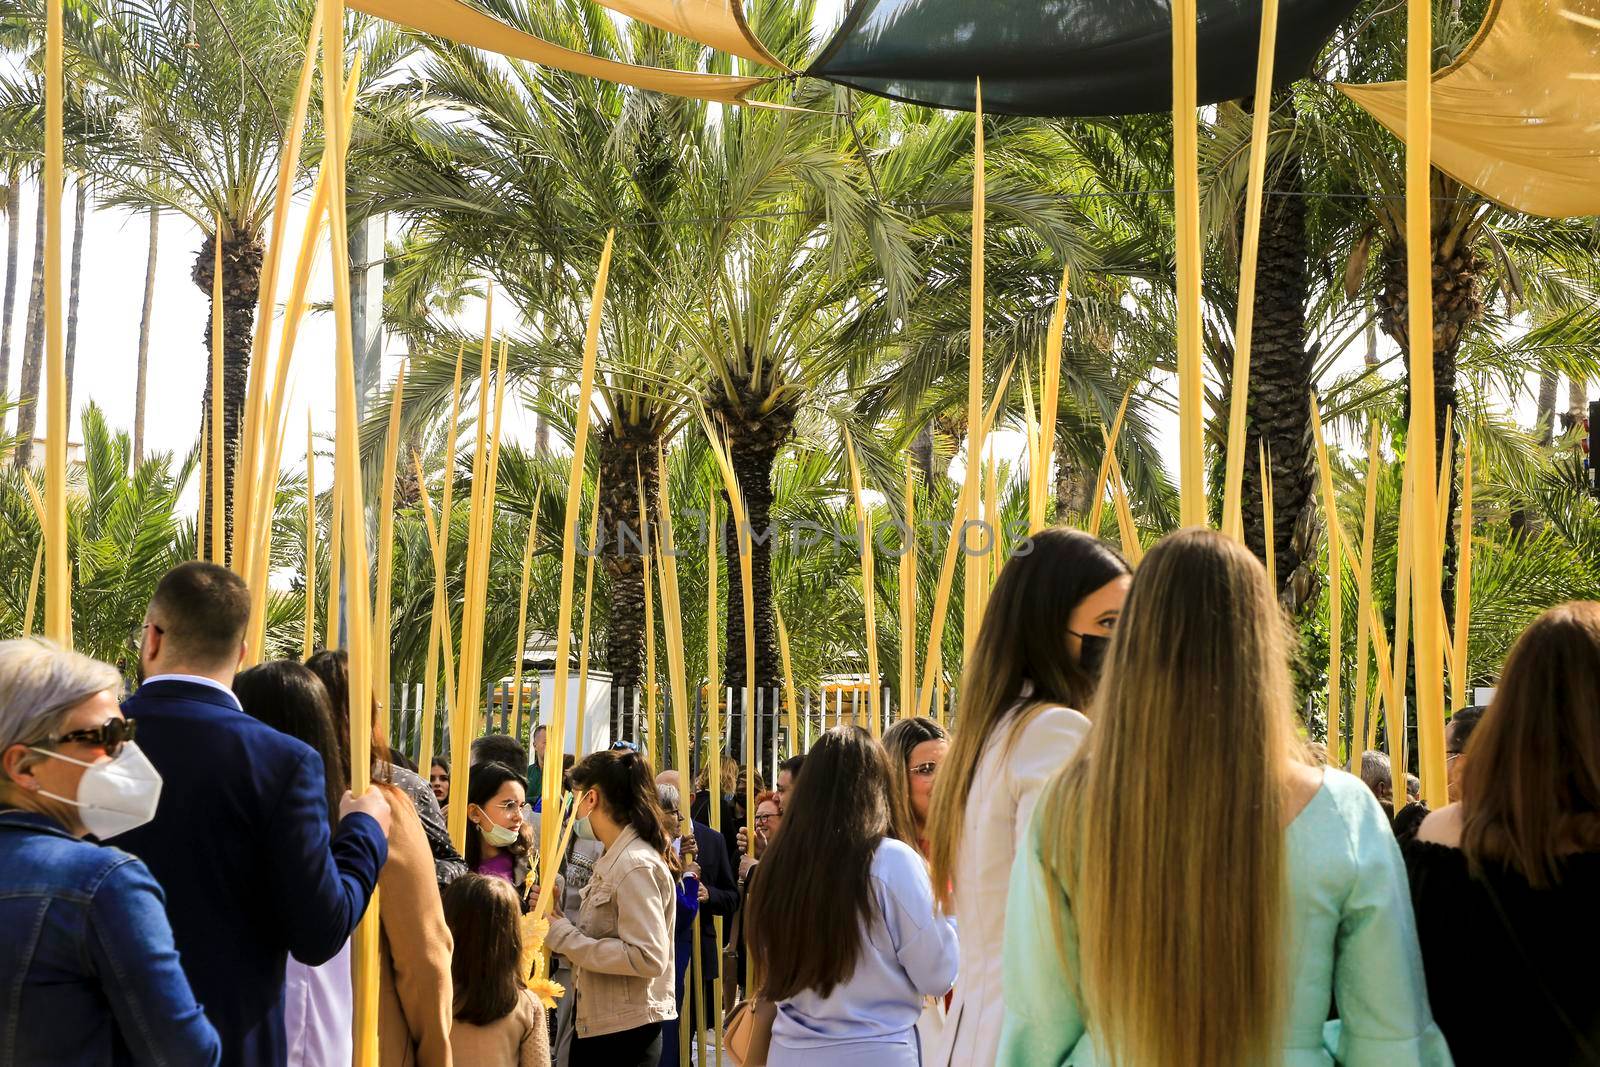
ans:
x=1092 y=653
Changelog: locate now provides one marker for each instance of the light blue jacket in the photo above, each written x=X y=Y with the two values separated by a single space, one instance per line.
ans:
x=1353 y=943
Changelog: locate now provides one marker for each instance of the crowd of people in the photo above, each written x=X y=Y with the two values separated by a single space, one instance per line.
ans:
x=1125 y=853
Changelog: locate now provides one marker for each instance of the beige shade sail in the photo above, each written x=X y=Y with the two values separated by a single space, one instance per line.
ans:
x=456 y=21
x=718 y=23
x=1516 y=117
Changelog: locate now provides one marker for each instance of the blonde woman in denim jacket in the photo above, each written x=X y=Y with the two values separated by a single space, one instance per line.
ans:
x=620 y=943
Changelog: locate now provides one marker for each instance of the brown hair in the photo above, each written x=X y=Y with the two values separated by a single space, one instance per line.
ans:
x=627 y=788
x=807 y=919
x=332 y=665
x=1530 y=794
x=1023 y=640
x=899 y=741
x=1193 y=736
x=484 y=917
x=291 y=699
x=202 y=611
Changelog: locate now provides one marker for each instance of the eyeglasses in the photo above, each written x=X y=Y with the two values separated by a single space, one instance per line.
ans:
x=762 y=820
x=509 y=806
x=111 y=735
x=924 y=770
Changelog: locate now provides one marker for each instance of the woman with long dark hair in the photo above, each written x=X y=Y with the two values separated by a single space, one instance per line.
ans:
x=500 y=844
x=1032 y=675
x=1506 y=881
x=620 y=944
x=1192 y=892
x=844 y=935
x=414 y=961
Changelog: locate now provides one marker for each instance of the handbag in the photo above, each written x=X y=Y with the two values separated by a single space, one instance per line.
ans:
x=747 y=1035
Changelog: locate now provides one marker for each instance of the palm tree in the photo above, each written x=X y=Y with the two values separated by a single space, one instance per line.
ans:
x=80 y=206
x=142 y=374
x=200 y=95
x=13 y=218
x=525 y=197
x=32 y=347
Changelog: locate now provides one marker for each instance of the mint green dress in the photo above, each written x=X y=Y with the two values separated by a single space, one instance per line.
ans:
x=1354 y=944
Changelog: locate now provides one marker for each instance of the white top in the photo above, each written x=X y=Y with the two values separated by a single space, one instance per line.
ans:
x=319 y=1012
x=1005 y=788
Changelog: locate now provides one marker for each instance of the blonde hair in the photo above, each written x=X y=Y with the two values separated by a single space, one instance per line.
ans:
x=899 y=741
x=727 y=776
x=1166 y=835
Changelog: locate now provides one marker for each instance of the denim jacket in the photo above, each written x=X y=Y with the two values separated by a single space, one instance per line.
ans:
x=90 y=974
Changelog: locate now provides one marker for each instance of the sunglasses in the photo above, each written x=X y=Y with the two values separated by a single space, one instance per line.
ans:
x=624 y=746
x=111 y=735
x=924 y=770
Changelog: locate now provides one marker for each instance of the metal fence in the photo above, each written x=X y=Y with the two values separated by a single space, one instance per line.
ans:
x=817 y=709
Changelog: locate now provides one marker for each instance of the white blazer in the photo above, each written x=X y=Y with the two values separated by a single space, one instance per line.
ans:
x=1005 y=788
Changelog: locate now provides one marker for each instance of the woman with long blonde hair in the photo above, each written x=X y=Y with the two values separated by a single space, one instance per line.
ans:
x=1032 y=672
x=1193 y=893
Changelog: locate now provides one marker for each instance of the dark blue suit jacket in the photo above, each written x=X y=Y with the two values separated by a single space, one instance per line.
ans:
x=240 y=845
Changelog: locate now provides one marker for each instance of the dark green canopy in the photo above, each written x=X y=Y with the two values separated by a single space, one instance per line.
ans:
x=1063 y=57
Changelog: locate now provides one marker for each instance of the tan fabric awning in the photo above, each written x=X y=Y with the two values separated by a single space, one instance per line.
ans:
x=1510 y=120
x=456 y=21
x=718 y=23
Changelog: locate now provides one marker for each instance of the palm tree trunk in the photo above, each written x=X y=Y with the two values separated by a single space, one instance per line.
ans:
x=142 y=378
x=80 y=206
x=754 y=438
x=1278 y=408
x=1074 y=484
x=626 y=454
x=32 y=347
x=1577 y=400
x=1544 y=422
x=921 y=451
x=541 y=428
x=13 y=219
x=241 y=284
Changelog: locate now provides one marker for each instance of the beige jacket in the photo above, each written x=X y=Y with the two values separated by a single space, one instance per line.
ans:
x=520 y=1039
x=414 y=990
x=621 y=946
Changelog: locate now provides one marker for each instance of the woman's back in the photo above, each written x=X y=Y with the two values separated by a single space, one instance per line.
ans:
x=1350 y=937
x=909 y=953
x=518 y=1039
x=1512 y=972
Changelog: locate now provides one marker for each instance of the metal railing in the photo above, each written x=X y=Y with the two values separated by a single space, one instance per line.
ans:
x=817 y=709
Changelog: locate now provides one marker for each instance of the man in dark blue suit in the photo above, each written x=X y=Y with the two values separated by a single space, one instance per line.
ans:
x=240 y=839
x=718 y=894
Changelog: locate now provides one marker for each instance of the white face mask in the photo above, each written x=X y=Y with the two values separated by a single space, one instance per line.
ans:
x=116 y=794
x=497 y=835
